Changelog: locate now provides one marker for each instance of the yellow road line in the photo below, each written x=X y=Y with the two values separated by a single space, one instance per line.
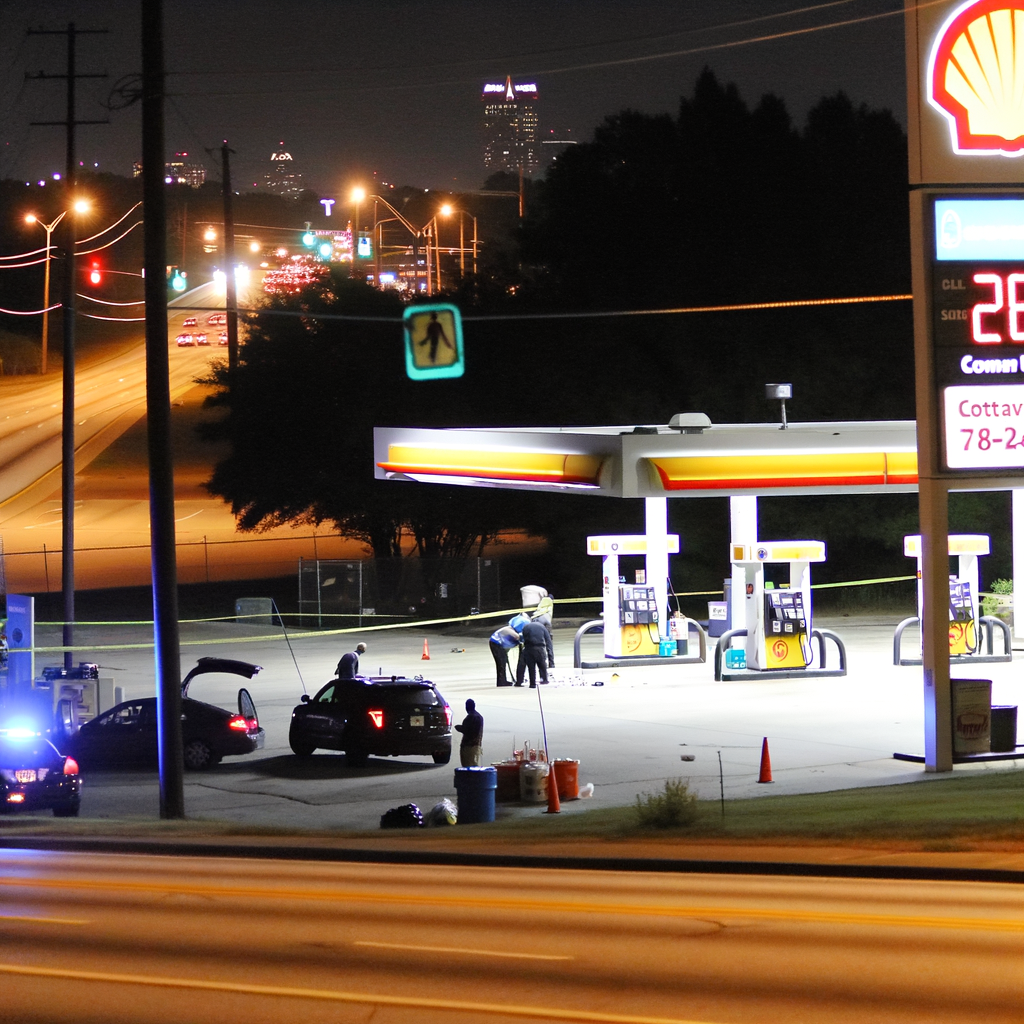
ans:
x=460 y=949
x=328 y=995
x=42 y=920
x=124 y=888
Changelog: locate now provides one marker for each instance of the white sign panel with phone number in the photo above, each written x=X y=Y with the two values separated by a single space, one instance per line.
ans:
x=984 y=426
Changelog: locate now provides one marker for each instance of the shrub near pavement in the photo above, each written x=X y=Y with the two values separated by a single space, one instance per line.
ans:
x=675 y=807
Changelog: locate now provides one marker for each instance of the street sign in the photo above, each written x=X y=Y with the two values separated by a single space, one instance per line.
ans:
x=433 y=342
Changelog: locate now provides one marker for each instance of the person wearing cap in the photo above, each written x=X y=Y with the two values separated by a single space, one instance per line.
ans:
x=472 y=729
x=348 y=667
x=502 y=641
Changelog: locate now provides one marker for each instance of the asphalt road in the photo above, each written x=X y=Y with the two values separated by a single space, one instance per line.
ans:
x=117 y=938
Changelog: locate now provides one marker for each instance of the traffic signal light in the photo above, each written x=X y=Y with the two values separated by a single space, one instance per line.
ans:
x=178 y=280
x=325 y=249
x=95 y=275
x=309 y=239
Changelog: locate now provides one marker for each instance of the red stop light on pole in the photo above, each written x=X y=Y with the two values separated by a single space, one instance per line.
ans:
x=95 y=275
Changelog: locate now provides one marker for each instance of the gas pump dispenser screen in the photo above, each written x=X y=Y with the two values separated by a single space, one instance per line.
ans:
x=978 y=330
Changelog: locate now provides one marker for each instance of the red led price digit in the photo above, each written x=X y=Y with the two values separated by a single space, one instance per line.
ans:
x=981 y=336
x=1015 y=307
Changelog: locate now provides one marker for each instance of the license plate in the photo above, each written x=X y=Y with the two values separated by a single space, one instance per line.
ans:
x=416 y=721
x=27 y=775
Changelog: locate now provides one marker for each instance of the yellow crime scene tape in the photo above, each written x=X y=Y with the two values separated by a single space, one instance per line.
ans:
x=308 y=634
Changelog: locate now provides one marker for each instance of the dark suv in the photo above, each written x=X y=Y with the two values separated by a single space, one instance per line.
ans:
x=385 y=715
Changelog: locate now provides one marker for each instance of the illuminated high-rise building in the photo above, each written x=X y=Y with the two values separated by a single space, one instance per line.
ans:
x=282 y=178
x=510 y=126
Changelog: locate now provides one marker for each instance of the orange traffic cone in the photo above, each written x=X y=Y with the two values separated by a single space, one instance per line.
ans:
x=765 y=774
x=426 y=652
x=554 y=805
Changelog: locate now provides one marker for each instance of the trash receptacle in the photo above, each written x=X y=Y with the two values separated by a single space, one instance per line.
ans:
x=718 y=618
x=533 y=782
x=567 y=778
x=1004 y=728
x=475 y=788
x=972 y=715
x=507 y=782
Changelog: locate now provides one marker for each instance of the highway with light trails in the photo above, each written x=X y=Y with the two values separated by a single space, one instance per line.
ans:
x=90 y=937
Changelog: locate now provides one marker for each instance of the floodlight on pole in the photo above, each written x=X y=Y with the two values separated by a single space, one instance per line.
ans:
x=358 y=195
x=31 y=218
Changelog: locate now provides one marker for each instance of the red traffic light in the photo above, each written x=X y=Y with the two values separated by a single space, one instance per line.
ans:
x=95 y=275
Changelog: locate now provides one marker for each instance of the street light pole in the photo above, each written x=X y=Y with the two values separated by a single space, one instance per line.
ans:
x=48 y=228
x=358 y=195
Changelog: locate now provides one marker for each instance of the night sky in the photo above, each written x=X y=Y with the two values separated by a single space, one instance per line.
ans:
x=353 y=87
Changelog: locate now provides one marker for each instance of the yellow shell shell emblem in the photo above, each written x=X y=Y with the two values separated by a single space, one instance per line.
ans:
x=976 y=77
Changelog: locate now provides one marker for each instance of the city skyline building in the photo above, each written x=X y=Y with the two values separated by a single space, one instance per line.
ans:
x=282 y=179
x=179 y=171
x=510 y=126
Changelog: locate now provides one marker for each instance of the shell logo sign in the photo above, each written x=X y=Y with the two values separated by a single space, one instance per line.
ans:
x=976 y=77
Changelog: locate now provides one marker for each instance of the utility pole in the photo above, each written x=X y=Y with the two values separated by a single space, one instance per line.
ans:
x=158 y=406
x=230 y=287
x=68 y=316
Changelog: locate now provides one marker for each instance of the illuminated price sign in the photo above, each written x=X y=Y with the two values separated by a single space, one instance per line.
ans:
x=977 y=277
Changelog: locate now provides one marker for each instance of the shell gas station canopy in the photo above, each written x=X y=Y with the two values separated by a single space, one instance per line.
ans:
x=695 y=459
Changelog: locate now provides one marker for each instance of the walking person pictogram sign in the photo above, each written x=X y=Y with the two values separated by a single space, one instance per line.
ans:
x=433 y=342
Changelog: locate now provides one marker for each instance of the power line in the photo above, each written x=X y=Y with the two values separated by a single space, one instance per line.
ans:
x=583 y=315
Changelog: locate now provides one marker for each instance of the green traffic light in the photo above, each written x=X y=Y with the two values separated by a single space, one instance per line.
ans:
x=325 y=249
x=308 y=238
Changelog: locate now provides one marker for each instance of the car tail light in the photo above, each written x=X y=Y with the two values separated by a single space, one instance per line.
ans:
x=252 y=724
x=377 y=717
x=238 y=722
x=15 y=798
x=70 y=766
x=448 y=714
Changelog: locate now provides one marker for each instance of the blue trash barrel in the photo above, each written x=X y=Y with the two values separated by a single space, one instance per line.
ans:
x=475 y=790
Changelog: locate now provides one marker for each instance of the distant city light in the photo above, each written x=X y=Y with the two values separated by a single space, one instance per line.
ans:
x=254 y=247
x=56 y=175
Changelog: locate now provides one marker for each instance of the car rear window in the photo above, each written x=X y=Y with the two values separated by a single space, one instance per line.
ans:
x=34 y=753
x=401 y=695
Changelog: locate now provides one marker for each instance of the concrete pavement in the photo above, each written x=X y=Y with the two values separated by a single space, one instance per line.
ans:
x=824 y=734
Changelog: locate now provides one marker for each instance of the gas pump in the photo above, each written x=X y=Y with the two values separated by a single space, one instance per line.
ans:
x=778 y=620
x=632 y=616
x=59 y=701
x=964 y=619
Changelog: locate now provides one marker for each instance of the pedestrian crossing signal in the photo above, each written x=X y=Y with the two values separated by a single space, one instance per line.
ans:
x=433 y=342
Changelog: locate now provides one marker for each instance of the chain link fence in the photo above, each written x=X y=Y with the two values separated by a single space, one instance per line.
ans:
x=330 y=589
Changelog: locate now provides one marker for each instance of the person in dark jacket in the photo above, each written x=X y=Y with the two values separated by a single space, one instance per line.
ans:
x=472 y=729
x=348 y=667
x=538 y=653
x=502 y=641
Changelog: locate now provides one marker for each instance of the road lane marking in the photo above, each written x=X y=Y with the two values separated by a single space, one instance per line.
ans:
x=124 y=888
x=42 y=920
x=329 y=995
x=460 y=949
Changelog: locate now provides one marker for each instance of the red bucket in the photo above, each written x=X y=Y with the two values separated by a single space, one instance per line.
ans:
x=508 y=782
x=567 y=777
